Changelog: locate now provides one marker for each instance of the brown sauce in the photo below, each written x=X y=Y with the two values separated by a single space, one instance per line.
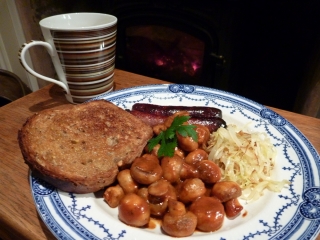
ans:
x=244 y=214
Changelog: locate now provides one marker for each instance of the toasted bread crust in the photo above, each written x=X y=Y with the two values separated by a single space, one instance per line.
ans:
x=80 y=147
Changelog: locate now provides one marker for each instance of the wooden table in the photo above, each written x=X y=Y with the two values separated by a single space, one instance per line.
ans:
x=18 y=215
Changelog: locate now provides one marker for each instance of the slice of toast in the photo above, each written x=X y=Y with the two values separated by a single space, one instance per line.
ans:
x=78 y=148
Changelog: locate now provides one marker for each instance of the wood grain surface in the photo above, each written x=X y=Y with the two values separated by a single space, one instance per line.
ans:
x=18 y=214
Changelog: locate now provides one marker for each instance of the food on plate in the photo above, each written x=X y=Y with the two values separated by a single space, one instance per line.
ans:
x=210 y=213
x=178 y=221
x=146 y=169
x=134 y=210
x=166 y=111
x=209 y=172
x=213 y=123
x=232 y=208
x=79 y=148
x=196 y=156
x=126 y=181
x=190 y=189
x=167 y=163
x=226 y=190
x=175 y=185
x=245 y=158
x=173 y=132
x=113 y=195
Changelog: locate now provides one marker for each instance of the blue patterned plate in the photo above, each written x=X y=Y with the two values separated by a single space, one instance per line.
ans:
x=292 y=214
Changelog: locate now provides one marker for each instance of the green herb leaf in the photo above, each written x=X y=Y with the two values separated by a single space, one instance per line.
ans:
x=167 y=147
x=188 y=130
x=168 y=138
x=154 y=141
x=179 y=120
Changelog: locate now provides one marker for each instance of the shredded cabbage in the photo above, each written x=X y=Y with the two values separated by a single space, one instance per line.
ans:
x=245 y=158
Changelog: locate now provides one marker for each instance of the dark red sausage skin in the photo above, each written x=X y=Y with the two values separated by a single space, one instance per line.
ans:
x=212 y=123
x=148 y=118
x=196 y=111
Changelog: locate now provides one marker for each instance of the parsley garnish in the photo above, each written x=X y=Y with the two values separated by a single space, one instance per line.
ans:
x=168 y=138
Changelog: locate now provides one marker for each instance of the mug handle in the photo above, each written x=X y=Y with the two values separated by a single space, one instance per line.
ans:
x=22 y=57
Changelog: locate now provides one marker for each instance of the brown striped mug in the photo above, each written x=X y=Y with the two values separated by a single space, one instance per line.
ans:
x=82 y=48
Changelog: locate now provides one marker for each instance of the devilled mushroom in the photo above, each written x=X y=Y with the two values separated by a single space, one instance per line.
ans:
x=113 y=195
x=178 y=222
x=210 y=213
x=196 y=156
x=187 y=143
x=171 y=167
x=209 y=172
x=126 y=181
x=134 y=210
x=146 y=169
x=232 y=208
x=226 y=190
x=191 y=189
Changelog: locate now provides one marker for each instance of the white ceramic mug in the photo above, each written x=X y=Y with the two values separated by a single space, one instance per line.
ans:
x=82 y=49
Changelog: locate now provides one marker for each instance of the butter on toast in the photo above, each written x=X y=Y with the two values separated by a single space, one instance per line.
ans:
x=78 y=148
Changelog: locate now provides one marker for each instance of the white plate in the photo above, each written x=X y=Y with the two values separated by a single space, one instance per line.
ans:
x=292 y=214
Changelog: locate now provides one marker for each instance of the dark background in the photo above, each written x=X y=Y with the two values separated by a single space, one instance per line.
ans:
x=270 y=47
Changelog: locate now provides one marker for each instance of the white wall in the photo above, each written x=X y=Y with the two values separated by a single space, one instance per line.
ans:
x=11 y=39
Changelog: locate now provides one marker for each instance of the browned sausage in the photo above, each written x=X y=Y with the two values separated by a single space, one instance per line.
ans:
x=194 y=111
x=148 y=118
x=211 y=123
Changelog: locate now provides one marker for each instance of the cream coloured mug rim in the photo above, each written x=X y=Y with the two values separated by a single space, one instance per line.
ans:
x=78 y=21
